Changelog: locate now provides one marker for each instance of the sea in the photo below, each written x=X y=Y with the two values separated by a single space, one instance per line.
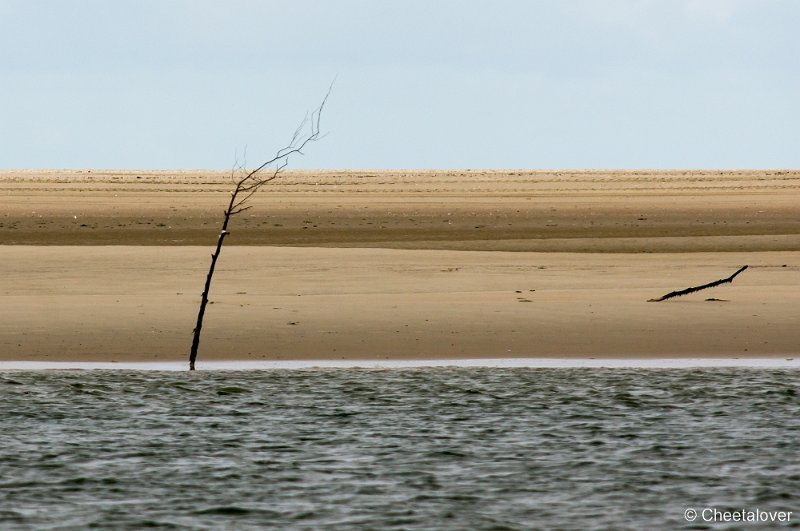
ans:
x=401 y=448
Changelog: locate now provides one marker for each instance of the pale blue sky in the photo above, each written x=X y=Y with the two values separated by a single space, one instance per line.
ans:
x=420 y=84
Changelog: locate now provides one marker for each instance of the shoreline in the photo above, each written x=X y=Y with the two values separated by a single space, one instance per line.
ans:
x=505 y=363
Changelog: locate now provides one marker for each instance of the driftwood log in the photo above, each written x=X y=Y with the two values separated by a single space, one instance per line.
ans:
x=698 y=288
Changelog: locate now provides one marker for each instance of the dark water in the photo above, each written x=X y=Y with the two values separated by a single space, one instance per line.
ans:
x=443 y=448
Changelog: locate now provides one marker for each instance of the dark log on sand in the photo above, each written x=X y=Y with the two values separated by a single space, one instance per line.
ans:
x=698 y=288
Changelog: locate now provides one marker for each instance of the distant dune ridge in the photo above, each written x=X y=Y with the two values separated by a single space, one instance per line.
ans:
x=109 y=265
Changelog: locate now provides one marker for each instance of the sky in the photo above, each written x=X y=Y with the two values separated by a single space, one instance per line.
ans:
x=432 y=84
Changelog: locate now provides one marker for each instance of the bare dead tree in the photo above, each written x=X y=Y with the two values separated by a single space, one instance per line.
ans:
x=698 y=288
x=246 y=184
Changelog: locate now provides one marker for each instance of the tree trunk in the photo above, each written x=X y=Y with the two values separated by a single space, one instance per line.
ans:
x=204 y=298
x=248 y=185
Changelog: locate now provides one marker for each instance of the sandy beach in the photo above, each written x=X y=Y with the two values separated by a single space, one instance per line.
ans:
x=109 y=266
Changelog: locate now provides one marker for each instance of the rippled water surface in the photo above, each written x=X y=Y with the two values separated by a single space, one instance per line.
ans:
x=432 y=448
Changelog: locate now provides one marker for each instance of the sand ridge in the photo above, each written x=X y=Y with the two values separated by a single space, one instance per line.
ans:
x=588 y=211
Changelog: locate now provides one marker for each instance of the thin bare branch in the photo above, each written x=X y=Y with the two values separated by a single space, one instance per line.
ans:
x=298 y=142
x=241 y=202
x=235 y=166
x=242 y=209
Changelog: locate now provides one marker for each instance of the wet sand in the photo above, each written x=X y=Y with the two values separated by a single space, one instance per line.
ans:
x=109 y=266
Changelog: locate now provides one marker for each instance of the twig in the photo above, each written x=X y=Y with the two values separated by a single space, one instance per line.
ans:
x=698 y=288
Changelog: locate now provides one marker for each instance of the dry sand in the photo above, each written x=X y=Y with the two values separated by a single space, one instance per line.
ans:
x=108 y=266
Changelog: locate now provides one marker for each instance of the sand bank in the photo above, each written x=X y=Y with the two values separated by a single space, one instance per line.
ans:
x=107 y=266
x=541 y=211
x=134 y=303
